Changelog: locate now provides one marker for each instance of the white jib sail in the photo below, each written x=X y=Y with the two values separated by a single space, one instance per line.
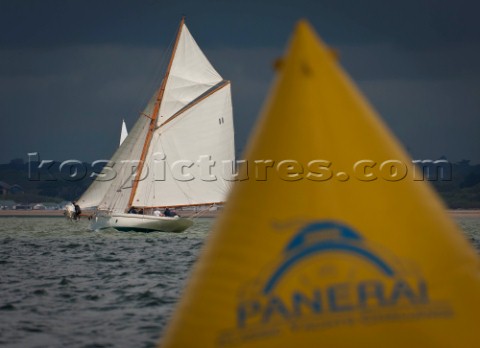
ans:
x=124 y=133
x=114 y=172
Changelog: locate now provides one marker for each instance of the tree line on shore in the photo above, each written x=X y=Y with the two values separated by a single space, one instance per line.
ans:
x=460 y=189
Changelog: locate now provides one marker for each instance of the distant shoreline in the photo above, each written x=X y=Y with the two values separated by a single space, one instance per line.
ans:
x=464 y=212
x=59 y=213
x=209 y=214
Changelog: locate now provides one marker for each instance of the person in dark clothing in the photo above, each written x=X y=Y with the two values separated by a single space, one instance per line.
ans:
x=168 y=212
x=78 y=211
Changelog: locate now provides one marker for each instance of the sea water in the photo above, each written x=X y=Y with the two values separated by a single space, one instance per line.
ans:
x=63 y=285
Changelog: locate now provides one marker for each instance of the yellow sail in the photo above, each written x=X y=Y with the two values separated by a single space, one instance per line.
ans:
x=333 y=240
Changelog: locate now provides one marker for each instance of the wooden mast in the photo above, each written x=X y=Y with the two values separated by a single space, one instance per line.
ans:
x=154 y=117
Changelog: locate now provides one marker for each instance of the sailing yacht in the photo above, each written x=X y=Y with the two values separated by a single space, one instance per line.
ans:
x=188 y=120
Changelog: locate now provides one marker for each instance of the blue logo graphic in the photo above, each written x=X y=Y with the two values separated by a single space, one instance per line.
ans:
x=324 y=237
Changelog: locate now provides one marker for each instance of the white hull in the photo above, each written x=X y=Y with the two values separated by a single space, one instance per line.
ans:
x=139 y=223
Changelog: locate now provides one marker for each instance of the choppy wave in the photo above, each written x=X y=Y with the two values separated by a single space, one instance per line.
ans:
x=63 y=285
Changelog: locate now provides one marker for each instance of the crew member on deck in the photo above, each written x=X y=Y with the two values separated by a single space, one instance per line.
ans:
x=78 y=211
x=169 y=213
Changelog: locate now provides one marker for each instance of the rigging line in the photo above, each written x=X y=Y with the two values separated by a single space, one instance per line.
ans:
x=198 y=214
x=156 y=77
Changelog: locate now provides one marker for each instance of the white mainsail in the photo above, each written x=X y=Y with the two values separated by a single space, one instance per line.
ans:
x=124 y=133
x=204 y=129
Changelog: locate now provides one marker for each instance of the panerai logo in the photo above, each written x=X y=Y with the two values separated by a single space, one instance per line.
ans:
x=328 y=276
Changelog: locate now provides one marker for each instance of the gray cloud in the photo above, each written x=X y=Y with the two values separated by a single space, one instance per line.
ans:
x=71 y=70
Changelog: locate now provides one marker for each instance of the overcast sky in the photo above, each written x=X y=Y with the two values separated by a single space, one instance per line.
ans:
x=71 y=70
